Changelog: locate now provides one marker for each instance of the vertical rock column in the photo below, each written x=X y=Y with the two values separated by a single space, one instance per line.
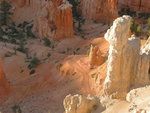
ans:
x=123 y=58
x=143 y=71
x=64 y=22
x=95 y=56
x=58 y=23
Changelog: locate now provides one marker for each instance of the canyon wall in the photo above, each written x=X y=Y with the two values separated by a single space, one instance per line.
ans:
x=51 y=18
x=136 y=5
x=99 y=10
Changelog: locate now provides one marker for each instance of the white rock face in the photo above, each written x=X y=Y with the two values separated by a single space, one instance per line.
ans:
x=81 y=104
x=143 y=71
x=127 y=66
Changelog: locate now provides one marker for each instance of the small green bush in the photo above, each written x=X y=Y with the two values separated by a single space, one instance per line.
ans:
x=16 y=109
x=32 y=72
x=136 y=28
x=47 y=42
x=34 y=62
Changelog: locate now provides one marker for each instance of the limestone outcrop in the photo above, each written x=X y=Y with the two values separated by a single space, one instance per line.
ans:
x=51 y=18
x=99 y=10
x=135 y=5
x=4 y=86
x=80 y=104
x=127 y=65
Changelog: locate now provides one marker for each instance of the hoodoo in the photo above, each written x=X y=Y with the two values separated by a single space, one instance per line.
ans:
x=127 y=64
x=51 y=18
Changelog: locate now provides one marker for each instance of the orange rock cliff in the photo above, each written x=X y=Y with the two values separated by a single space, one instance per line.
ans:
x=142 y=6
x=99 y=10
x=52 y=18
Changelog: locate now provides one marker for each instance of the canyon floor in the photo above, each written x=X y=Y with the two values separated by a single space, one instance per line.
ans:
x=66 y=70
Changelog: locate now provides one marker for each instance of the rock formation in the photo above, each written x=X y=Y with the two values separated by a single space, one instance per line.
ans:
x=52 y=18
x=58 y=23
x=95 y=56
x=4 y=86
x=135 y=5
x=127 y=65
x=80 y=104
x=99 y=10
x=143 y=71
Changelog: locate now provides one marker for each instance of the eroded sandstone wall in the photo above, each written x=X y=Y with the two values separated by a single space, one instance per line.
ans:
x=51 y=18
x=99 y=10
x=136 y=5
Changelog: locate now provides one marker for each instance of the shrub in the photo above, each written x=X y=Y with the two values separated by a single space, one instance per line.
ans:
x=22 y=48
x=135 y=28
x=47 y=42
x=34 y=62
x=32 y=72
x=5 y=12
x=139 y=30
x=16 y=109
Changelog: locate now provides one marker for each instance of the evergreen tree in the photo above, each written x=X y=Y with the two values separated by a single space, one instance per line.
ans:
x=5 y=12
x=76 y=15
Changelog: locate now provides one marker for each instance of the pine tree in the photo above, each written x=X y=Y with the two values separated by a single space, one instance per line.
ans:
x=5 y=12
x=76 y=14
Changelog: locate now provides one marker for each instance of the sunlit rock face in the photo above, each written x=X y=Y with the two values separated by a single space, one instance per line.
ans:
x=52 y=18
x=4 y=86
x=127 y=64
x=136 y=5
x=81 y=104
x=99 y=10
x=95 y=56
